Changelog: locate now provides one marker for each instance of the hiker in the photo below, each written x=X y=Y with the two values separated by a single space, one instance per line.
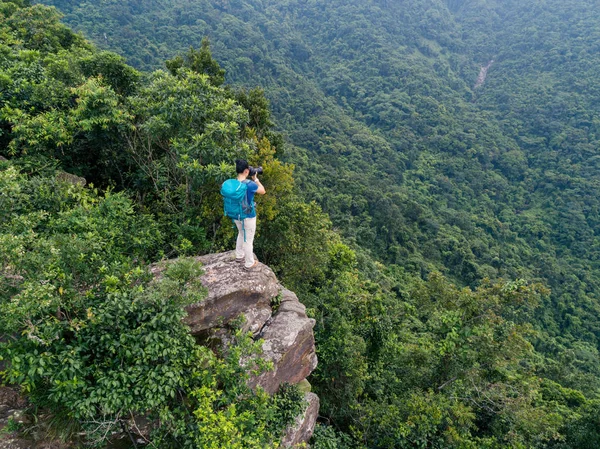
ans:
x=238 y=195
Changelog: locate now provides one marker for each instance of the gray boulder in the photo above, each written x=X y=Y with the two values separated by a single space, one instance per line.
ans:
x=302 y=429
x=232 y=291
x=72 y=179
x=289 y=343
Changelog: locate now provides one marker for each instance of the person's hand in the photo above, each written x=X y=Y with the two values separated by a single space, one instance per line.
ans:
x=255 y=178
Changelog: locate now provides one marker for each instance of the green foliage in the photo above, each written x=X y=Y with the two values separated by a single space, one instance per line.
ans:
x=200 y=61
x=393 y=142
x=290 y=403
x=432 y=365
x=39 y=28
x=584 y=431
x=12 y=425
x=61 y=100
x=404 y=164
x=295 y=241
x=221 y=411
x=325 y=437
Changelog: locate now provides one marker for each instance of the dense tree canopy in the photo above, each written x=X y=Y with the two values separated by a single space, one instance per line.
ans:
x=417 y=225
x=392 y=139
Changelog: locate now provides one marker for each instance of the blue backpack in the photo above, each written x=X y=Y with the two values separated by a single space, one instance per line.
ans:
x=235 y=199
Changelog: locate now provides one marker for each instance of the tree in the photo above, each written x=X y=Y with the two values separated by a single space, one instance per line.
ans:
x=199 y=61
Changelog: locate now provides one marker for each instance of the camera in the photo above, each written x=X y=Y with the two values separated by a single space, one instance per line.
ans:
x=255 y=171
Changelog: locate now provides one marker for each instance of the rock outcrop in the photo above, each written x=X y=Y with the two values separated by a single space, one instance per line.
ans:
x=288 y=343
x=232 y=292
x=304 y=426
x=482 y=75
x=70 y=178
x=288 y=340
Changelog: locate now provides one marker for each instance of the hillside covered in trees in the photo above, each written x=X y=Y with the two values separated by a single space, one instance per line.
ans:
x=408 y=181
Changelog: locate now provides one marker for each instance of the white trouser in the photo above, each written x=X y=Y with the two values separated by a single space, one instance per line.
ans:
x=245 y=249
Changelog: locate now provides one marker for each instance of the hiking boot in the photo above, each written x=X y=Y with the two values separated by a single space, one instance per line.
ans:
x=252 y=267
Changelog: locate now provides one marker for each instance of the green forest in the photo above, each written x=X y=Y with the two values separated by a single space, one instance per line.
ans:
x=443 y=230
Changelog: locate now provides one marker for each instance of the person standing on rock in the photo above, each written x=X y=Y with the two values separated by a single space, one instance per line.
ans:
x=238 y=195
